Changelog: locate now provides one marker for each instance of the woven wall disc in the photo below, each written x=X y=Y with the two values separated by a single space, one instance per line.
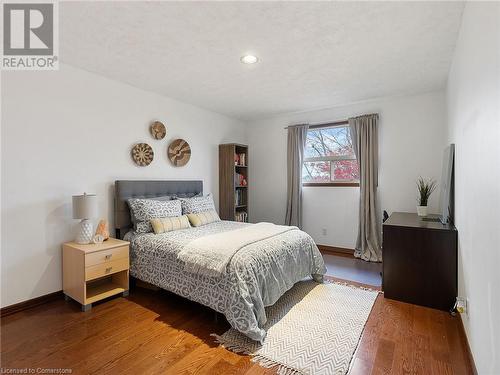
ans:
x=142 y=154
x=179 y=152
x=158 y=130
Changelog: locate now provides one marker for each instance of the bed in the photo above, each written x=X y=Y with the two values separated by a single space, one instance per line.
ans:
x=256 y=276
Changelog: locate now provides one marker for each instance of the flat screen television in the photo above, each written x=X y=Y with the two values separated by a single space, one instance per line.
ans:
x=446 y=192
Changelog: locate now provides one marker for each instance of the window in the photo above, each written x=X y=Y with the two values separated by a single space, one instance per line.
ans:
x=329 y=157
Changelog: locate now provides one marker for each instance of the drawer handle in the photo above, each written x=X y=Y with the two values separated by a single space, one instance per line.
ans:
x=109 y=269
x=108 y=256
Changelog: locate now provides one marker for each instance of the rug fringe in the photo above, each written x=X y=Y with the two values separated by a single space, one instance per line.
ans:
x=230 y=346
x=261 y=360
x=269 y=363
x=345 y=283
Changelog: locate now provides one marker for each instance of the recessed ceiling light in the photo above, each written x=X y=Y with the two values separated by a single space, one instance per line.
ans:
x=249 y=59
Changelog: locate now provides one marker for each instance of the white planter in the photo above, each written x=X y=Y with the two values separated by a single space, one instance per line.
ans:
x=422 y=211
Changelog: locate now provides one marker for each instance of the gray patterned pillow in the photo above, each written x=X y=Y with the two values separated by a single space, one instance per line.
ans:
x=186 y=195
x=162 y=198
x=143 y=210
x=196 y=205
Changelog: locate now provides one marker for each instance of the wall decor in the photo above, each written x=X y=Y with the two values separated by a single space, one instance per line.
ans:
x=143 y=154
x=179 y=152
x=158 y=130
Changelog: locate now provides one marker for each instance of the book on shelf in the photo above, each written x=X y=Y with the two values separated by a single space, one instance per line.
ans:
x=238 y=198
x=240 y=159
x=240 y=180
x=241 y=216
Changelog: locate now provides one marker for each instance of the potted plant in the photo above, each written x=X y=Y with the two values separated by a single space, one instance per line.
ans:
x=425 y=189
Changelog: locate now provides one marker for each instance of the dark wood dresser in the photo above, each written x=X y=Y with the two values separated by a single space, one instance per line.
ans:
x=419 y=261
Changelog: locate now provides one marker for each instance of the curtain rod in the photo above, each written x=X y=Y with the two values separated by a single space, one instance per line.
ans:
x=322 y=124
x=334 y=123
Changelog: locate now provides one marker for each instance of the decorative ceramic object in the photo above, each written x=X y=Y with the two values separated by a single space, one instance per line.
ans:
x=98 y=238
x=179 y=152
x=86 y=232
x=158 y=130
x=143 y=154
x=103 y=229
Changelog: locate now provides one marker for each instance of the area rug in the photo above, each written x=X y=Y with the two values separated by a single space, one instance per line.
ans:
x=312 y=329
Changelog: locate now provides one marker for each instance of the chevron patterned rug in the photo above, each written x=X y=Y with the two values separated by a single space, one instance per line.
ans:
x=312 y=329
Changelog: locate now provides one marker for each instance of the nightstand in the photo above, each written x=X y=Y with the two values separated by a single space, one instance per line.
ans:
x=95 y=271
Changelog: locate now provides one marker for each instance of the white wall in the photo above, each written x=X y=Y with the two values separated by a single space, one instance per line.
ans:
x=411 y=144
x=473 y=100
x=71 y=131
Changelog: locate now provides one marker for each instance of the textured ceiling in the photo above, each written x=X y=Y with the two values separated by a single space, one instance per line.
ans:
x=313 y=54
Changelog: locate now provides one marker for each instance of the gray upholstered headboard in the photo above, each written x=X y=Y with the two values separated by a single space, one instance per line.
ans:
x=125 y=189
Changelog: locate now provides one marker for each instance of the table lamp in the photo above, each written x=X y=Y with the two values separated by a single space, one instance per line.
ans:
x=85 y=208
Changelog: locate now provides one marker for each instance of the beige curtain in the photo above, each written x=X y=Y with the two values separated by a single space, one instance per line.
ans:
x=365 y=143
x=295 y=155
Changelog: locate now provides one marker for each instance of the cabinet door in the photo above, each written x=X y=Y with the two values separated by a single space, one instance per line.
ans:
x=440 y=261
x=420 y=266
x=402 y=263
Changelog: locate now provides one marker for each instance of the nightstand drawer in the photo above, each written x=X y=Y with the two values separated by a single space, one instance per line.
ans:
x=104 y=269
x=106 y=256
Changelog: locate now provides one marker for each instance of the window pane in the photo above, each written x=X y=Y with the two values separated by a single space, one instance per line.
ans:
x=316 y=171
x=345 y=170
x=334 y=141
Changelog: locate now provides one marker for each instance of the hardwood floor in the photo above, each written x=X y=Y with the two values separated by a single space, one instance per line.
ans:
x=157 y=332
x=353 y=269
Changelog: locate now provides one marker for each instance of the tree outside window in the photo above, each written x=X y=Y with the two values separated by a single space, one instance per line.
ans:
x=329 y=157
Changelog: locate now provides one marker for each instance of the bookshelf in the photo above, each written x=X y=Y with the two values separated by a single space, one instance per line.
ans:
x=233 y=182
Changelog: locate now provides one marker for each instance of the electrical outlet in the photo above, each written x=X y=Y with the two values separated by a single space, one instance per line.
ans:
x=462 y=305
x=323 y=231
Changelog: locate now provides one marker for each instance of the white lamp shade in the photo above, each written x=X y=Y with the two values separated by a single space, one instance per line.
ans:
x=84 y=206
